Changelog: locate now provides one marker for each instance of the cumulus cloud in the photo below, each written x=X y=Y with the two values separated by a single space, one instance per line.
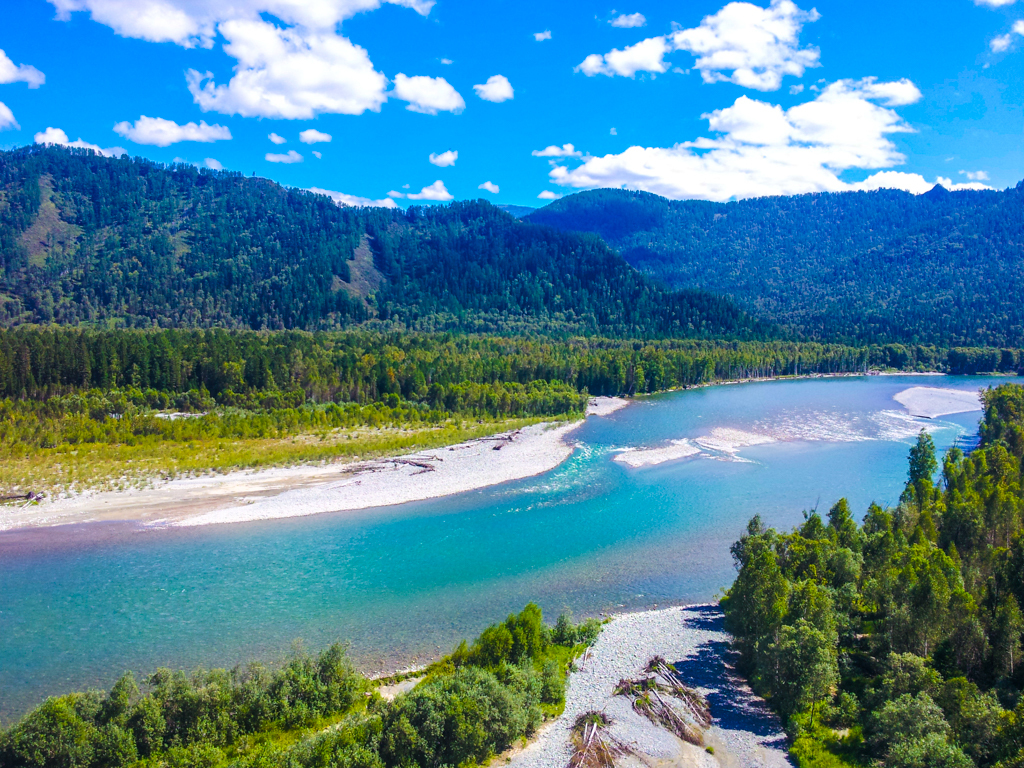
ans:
x=445 y=159
x=313 y=136
x=317 y=155
x=57 y=136
x=428 y=95
x=994 y=3
x=353 y=200
x=289 y=73
x=566 y=150
x=296 y=66
x=646 y=56
x=436 y=192
x=1002 y=42
x=496 y=89
x=547 y=194
x=491 y=187
x=755 y=46
x=545 y=35
x=191 y=23
x=158 y=132
x=7 y=118
x=761 y=149
x=291 y=157
x=975 y=175
x=628 y=20
x=743 y=43
x=20 y=73
x=277 y=139
x=914 y=183
x=213 y=164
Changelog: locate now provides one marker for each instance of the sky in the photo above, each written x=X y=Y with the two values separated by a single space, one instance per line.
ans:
x=521 y=102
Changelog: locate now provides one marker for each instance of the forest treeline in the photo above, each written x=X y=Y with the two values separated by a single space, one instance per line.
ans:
x=899 y=641
x=240 y=367
x=86 y=239
x=876 y=267
x=313 y=711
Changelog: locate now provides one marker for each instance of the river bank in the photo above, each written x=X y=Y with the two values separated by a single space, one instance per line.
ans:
x=298 y=491
x=744 y=732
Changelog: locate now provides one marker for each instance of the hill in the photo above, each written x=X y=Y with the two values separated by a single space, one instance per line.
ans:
x=887 y=266
x=92 y=240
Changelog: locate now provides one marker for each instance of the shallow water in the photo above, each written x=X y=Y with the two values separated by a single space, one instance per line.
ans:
x=81 y=604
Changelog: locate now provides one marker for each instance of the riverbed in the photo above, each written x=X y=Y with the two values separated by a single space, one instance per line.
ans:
x=401 y=584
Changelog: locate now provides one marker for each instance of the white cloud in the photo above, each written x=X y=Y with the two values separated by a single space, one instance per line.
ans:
x=796 y=89
x=277 y=139
x=291 y=157
x=317 y=155
x=914 y=183
x=435 y=191
x=57 y=136
x=994 y=3
x=1000 y=43
x=7 y=118
x=646 y=56
x=353 y=200
x=21 y=73
x=613 y=132
x=428 y=95
x=446 y=62
x=566 y=150
x=628 y=21
x=445 y=159
x=313 y=136
x=290 y=73
x=547 y=194
x=290 y=60
x=762 y=149
x=496 y=89
x=195 y=22
x=156 y=131
x=214 y=164
x=540 y=36
x=743 y=43
x=758 y=46
x=491 y=187
x=975 y=175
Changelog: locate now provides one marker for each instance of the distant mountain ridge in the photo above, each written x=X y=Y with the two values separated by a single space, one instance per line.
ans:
x=94 y=240
x=942 y=268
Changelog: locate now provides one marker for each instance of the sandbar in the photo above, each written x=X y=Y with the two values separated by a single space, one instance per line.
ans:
x=932 y=402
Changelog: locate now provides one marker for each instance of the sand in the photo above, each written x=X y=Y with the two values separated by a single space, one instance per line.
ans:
x=306 y=490
x=744 y=731
x=932 y=402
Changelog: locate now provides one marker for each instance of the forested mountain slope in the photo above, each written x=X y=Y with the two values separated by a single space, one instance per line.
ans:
x=940 y=268
x=88 y=239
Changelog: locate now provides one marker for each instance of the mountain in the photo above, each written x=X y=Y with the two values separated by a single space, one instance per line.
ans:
x=94 y=240
x=942 y=268
x=519 y=211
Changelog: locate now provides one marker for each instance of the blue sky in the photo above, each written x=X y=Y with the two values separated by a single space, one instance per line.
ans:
x=707 y=100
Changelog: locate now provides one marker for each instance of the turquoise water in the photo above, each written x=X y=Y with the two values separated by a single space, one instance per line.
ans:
x=81 y=604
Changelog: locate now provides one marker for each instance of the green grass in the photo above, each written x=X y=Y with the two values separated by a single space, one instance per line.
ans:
x=823 y=748
x=104 y=466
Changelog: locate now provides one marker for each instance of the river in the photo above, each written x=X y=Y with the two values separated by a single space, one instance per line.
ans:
x=81 y=604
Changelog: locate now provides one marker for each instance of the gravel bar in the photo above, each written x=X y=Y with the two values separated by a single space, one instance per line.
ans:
x=744 y=732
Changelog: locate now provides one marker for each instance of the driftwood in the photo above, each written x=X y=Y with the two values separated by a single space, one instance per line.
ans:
x=665 y=701
x=593 y=746
x=28 y=498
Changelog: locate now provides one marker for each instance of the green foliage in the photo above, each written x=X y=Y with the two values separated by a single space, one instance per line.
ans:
x=907 y=628
x=473 y=704
x=870 y=267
